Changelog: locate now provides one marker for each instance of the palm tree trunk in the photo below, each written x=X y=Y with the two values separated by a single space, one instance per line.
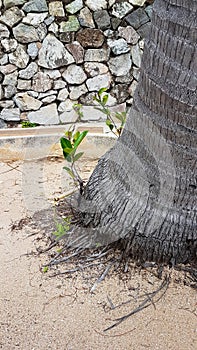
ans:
x=143 y=192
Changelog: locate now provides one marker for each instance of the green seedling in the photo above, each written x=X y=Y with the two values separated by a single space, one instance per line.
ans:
x=70 y=143
x=62 y=228
x=27 y=124
x=45 y=269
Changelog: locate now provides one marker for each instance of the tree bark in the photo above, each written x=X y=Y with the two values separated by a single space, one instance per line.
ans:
x=143 y=191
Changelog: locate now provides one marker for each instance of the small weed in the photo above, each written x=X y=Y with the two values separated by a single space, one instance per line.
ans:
x=62 y=228
x=27 y=124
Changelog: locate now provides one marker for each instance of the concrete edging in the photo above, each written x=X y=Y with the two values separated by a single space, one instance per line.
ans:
x=41 y=142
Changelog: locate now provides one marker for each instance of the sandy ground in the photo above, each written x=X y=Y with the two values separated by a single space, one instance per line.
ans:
x=42 y=313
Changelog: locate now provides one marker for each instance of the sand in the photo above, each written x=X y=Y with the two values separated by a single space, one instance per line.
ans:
x=60 y=313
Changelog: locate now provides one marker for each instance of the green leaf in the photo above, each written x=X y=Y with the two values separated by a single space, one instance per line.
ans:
x=68 y=134
x=65 y=143
x=45 y=269
x=77 y=156
x=101 y=91
x=105 y=99
x=109 y=124
x=76 y=135
x=69 y=171
x=67 y=150
x=80 y=138
x=96 y=99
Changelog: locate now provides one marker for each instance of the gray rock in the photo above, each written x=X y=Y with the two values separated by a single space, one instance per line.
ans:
x=4 y=32
x=34 y=19
x=1 y=93
x=32 y=93
x=110 y=34
x=77 y=91
x=53 y=74
x=102 y=19
x=136 y=54
x=7 y=104
x=25 y=33
x=10 y=114
x=97 y=55
x=10 y=79
x=120 y=65
x=92 y=114
x=95 y=68
x=53 y=54
x=29 y=71
x=66 y=105
x=68 y=117
x=67 y=37
x=137 y=18
x=87 y=99
x=11 y=3
x=3 y=125
x=129 y=34
x=136 y=73
x=118 y=46
x=76 y=50
x=71 y=25
x=48 y=21
x=96 y=5
x=19 y=57
x=137 y=2
x=85 y=18
x=115 y=22
x=9 y=45
x=144 y=30
x=74 y=74
x=49 y=99
x=41 y=31
x=56 y=9
x=9 y=91
x=59 y=84
x=35 y=6
x=3 y=59
x=120 y=92
x=32 y=50
x=74 y=6
x=7 y=69
x=24 y=84
x=98 y=82
x=53 y=28
x=47 y=115
x=124 y=78
x=132 y=87
x=120 y=9
x=63 y=94
x=26 y=102
x=149 y=10
x=12 y=16
x=41 y=82
x=47 y=93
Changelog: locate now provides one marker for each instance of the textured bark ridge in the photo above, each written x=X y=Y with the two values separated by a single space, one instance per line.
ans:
x=143 y=191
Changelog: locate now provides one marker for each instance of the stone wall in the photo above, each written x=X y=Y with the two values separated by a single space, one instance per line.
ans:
x=57 y=53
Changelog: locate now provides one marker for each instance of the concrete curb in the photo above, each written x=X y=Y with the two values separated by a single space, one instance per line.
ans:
x=41 y=142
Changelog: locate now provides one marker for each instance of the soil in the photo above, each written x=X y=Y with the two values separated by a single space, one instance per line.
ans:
x=39 y=312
